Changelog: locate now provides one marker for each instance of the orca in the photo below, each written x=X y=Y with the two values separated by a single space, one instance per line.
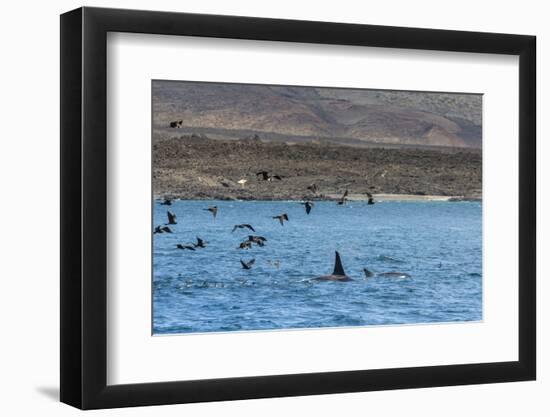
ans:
x=338 y=274
x=392 y=274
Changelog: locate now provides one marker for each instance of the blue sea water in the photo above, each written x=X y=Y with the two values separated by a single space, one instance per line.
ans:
x=438 y=243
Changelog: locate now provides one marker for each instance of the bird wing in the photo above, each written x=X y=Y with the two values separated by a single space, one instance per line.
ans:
x=245 y=266
x=249 y=226
x=280 y=220
x=251 y=262
x=308 y=208
x=234 y=228
x=285 y=216
x=171 y=217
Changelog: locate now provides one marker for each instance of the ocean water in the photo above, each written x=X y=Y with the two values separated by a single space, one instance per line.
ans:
x=439 y=244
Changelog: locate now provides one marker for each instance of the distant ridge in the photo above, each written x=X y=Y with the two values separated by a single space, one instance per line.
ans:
x=370 y=116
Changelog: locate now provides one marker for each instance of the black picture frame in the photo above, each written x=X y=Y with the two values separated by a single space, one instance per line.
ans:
x=84 y=207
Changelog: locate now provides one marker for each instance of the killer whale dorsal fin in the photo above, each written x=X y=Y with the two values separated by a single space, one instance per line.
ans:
x=338 y=268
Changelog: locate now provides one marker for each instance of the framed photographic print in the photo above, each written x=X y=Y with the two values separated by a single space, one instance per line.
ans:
x=258 y=208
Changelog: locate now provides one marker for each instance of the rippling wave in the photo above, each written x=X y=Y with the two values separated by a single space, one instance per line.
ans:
x=438 y=244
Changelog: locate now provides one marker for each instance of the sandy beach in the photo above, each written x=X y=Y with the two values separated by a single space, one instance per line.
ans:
x=404 y=197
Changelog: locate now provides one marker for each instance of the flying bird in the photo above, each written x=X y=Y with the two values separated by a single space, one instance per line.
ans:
x=313 y=188
x=266 y=177
x=162 y=229
x=242 y=181
x=281 y=218
x=200 y=243
x=248 y=265
x=242 y=226
x=308 y=205
x=247 y=244
x=343 y=199
x=184 y=247
x=171 y=218
x=258 y=240
x=213 y=210
x=371 y=199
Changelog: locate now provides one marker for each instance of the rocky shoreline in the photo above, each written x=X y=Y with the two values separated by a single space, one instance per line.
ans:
x=190 y=167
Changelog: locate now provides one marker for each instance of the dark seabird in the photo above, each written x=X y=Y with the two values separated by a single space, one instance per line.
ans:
x=242 y=226
x=184 y=247
x=166 y=202
x=171 y=218
x=266 y=177
x=158 y=229
x=200 y=243
x=281 y=218
x=258 y=240
x=313 y=188
x=162 y=229
x=213 y=210
x=247 y=244
x=308 y=205
x=371 y=199
x=248 y=265
x=342 y=200
x=338 y=274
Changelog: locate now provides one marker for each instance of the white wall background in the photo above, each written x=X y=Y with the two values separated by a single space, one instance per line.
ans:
x=29 y=237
